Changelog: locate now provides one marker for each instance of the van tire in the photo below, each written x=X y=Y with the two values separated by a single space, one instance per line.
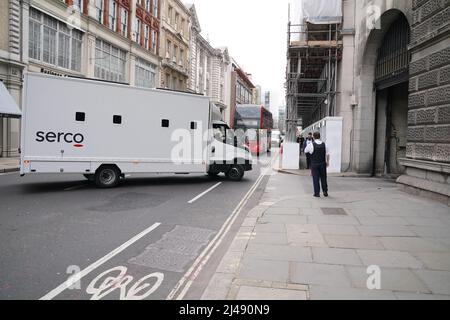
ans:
x=89 y=177
x=235 y=173
x=107 y=176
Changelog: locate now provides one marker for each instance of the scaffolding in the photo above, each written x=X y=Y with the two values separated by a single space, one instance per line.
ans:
x=313 y=53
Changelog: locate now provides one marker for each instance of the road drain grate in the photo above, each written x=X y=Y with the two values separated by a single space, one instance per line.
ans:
x=334 y=211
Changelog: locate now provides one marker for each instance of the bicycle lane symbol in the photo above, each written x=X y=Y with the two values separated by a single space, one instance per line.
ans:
x=117 y=279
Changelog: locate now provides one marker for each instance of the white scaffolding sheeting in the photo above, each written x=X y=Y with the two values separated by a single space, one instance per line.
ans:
x=322 y=11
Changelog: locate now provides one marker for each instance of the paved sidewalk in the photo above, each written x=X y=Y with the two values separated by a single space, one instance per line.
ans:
x=9 y=165
x=293 y=246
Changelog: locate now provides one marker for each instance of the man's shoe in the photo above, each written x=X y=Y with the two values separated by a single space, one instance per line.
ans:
x=316 y=196
x=325 y=194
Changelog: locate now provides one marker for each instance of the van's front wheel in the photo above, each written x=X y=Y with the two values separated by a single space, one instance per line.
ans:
x=235 y=173
x=107 y=177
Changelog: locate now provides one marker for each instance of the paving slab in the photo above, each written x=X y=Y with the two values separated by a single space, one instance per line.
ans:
x=435 y=260
x=345 y=230
x=264 y=270
x=412 y=244
x=270 y=238
x=307 y=235
x=432 y=231
x=391 y=279
x=336 y=256
x=383 y=221
x=283 y=219
x=258 y=293
x=278 y=252
x=415 y=296
x=336 y=220
x=282 y=211
x=353 y=242
x=219 y=288
x=391 y=259
x=333 y=293
x=270 y=227
x=319 y=274
x=437 y=281
x=386 y=231
x=418 y=221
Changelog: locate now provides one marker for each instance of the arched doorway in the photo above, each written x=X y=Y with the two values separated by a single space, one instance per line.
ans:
x=392 y=88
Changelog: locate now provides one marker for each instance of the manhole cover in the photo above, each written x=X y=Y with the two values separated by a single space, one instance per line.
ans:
x=334 y=211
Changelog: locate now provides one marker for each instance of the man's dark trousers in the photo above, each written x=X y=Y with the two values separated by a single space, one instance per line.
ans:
x=319 y=173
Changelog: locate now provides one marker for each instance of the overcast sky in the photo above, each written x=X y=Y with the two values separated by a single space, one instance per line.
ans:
x=255 y=32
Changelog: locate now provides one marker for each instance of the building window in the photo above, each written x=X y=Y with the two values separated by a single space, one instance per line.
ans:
x=181 y=61
x=165 y=123
x=175 y=54
x=78 y=4
x=169 y=15
x=49 y=45
x=35 y=32
x=154 y=41
x=183 y=22
x=168 y=84
x=145 y=74
x=110 y=62
x=124 y=23
x=177 y=21
x=112 y=15
x=174 y=83
x=147 y=37
x=64 y=47
x=156 y=8
x=52 y=42
x=168 y=49
x=137 y=31
x=147 y=5
x=99 y=10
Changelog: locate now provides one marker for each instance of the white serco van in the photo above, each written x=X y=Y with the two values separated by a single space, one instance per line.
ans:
x=105 y=131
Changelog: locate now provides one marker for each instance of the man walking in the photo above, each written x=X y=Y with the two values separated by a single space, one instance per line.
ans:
x=320 y=161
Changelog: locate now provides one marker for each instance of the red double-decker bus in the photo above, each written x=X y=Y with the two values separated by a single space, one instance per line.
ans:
x=257 y=122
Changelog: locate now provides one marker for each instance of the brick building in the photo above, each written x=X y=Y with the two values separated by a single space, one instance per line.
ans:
x=114 y=40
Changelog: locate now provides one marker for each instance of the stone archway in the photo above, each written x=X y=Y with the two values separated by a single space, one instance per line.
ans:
x=365 y=155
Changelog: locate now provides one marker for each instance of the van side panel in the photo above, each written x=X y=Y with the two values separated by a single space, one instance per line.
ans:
x=75 y=125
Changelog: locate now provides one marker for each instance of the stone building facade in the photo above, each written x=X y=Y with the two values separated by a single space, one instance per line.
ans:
x=428 y=149
x=113 y=40
x=208 y=66
x=175 y=37
x=393 y=92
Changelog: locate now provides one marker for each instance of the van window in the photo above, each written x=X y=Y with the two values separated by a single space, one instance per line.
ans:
x=80 y=116
x=165 y=123
x=117 y=119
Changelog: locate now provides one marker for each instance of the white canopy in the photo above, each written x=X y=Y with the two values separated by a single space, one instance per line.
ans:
x=8 y=107
x=322 y=11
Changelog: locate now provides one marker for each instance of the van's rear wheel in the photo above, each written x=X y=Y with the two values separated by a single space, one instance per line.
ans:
x=107 y=177
x=235 y=173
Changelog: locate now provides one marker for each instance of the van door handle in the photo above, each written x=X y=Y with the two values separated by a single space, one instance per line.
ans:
x=213 y=149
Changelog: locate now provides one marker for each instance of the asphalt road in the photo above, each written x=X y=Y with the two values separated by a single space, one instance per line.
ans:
x=133 y=242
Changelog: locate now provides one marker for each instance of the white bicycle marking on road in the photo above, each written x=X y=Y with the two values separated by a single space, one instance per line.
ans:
x=120 y=282
x=77 y=277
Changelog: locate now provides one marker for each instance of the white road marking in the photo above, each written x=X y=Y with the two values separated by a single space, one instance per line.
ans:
x=120 y=282
x=77 y=277
x=189 y=277
x=204 y=193
x=76 y=187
